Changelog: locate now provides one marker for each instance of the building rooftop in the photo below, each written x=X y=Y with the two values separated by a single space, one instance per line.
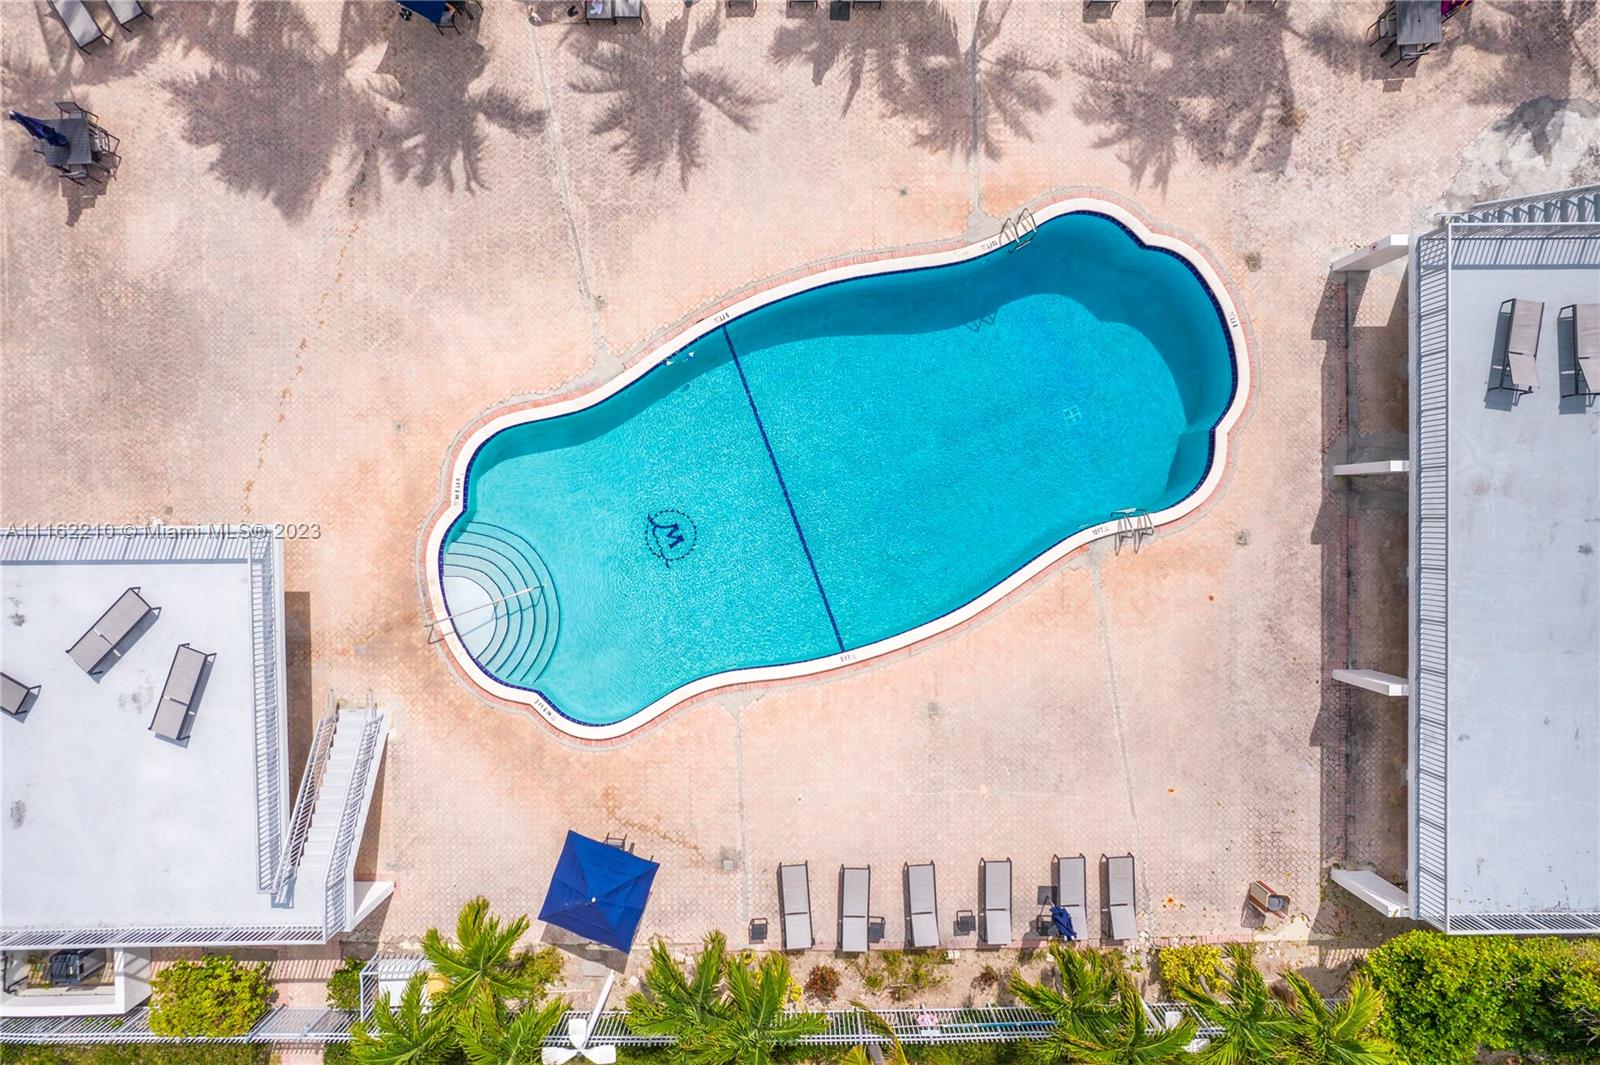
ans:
x=1506 y=668
x=108 y=826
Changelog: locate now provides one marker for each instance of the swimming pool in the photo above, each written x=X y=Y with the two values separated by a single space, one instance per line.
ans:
x=834 y=469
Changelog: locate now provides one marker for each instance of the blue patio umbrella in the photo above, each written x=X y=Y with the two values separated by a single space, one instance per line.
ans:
x=598 y=891
x=39 y=129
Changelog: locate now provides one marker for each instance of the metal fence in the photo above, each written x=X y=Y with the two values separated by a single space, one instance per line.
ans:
x=339 y=886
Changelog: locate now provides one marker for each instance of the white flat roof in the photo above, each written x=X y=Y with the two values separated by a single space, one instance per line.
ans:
x=105 y=825
x=1523 y=666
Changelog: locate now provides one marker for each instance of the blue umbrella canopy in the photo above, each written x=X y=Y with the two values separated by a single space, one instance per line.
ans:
x=39 y=128
x=598 y=891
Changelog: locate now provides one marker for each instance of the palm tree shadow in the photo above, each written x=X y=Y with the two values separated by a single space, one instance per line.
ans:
x=658 y=91
x=924 y=74
x=1227 y=98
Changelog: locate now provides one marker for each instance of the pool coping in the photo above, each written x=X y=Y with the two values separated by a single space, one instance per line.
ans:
x=473 y=438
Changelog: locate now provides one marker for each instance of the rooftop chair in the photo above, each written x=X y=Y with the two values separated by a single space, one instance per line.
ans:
x=794 y=899
x=922 y=905
x=1586 y=348
x=16 y=697
x=172 y=718
x=100 y=642
x=79 y=22
x=629 y=9
x=994 y=885
x=855 y=897
x=1119 y=897
x=1071 y=891
x=126 y=11
x=1522 y=345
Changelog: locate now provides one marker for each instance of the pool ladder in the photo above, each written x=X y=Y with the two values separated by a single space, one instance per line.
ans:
x=1133 y=526
x=1020 y=228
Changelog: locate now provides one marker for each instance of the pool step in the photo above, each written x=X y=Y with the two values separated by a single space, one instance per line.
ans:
x=497 y=558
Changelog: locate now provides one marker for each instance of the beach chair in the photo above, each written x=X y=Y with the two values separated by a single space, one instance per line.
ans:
x=794 y=900
x=172 y=718
x=1586 y=348
x=100 y=642
x=1071 y=891
x=126 y=11
x=855 y=898
x=1522 y=346
x=1119 y=897
x=79 y=22
x=994 y=886
x=922 y=906
x=16 y=698
x=633 y=9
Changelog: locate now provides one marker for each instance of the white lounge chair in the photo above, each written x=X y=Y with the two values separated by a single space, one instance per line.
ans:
x=100 y=642
x=16 y=697
x=1521 y=365
x=794 y=899
x=78 y=21
x=126 y=11
x=172 y=718
x=1119 y=897
x=994 y=882
x=1071 y=890
x=1586 y=348
x=922 y=905
x=855 y=901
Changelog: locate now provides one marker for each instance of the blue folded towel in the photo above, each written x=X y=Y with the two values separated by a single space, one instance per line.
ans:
x=1063 y=922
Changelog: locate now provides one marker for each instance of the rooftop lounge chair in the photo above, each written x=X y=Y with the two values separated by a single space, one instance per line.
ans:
x=922 y=905
x=126 y=11
x=1522 y=345
x=172 y=718
x=1119 y=897
x=100 y=642
x=15 y=696
x=994 y=886
x=855 y=898
x=1586 y=348
x=79 y=22
x=1071 y=891
x=794 y=899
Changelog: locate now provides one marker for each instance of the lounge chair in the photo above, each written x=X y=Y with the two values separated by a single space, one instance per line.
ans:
x=15 y=696
x=172 y=718
x=100 y=642
x=794 y=899
x=855 y=899
x=922 y=905
x=994 y=884
x=79 y=22
x=1071 y=891
x=1119 y=897
x=1586 y=348
x=126 y=11
x=1522 y=346
x=629 y=9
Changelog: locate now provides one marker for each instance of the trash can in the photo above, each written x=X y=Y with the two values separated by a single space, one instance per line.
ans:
x=1266 y=900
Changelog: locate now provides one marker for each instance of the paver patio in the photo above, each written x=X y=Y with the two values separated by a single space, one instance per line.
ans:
x=336 y=238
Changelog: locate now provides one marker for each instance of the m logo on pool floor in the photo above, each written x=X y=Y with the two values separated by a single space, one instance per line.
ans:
x=670 y=535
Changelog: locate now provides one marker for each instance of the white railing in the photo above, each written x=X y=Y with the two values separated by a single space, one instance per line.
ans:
x=162 y=935
x=266 y=633
x=339 y=888
x=305 y=804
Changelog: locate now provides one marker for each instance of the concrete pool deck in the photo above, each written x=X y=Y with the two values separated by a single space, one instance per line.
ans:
x=305 y=305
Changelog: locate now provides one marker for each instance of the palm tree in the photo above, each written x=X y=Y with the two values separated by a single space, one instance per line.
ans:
x=1324 y=1034
x=674 y=1003
x=478 y=965
x=755 y=1022
x=895 y=1055
x=1254 y=1025
x=409 y=1035
x=1084 y=1006
x=490 y=1034
x=1134 y=1040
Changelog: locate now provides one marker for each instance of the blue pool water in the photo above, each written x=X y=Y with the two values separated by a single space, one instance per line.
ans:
x=837 y=468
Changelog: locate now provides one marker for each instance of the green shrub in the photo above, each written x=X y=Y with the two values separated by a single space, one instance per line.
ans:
x=822 y=983
x=216 y=996
x=540 y=967
x=1190 y=967
x=337 y=1054
x=344 y=986
x=1447 y=998
x=135 y=1054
